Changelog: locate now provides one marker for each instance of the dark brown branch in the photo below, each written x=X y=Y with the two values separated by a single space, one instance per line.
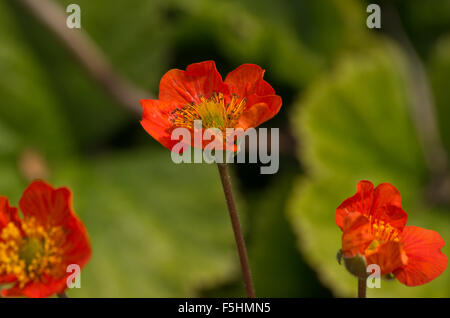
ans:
x=87 y=54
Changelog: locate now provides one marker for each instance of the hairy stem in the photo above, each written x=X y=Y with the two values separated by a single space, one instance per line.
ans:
x=362 y=288
x=243 y=258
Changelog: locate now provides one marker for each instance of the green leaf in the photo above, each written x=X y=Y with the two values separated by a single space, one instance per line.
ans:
x=355 y=124
x=9 y=141
x=278 y=269
x=157 y=229
x=138 y=52
x=28 y=106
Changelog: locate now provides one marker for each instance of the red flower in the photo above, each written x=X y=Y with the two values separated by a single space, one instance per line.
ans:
x=36 y=250
x=373 y=224
x=243 y=100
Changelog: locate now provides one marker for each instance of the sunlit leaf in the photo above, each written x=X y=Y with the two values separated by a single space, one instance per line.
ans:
x=277 y=267
x=27 y=104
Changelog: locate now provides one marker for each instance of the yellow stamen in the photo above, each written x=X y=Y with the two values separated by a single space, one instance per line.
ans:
x=213 y=112
x=383 y=232
x=32 y=252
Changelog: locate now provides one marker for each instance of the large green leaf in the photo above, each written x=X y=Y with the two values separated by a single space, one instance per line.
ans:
x=157 y=229
x=27 y=104
x=355 y=124
x=29 y=114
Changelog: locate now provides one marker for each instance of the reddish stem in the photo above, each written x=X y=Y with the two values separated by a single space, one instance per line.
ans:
x=243 y=258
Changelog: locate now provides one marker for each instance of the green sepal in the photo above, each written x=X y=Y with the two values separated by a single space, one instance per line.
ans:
x=356 y=265
x=339 y=257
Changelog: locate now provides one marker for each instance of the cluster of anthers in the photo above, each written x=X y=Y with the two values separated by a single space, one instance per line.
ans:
x=214 y=112
x=382 y=232
x=29 y=251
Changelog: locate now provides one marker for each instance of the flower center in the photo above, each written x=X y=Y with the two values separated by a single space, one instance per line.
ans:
x=213 y=112
x=384 y=232
x=31 y=248
x=32 y=252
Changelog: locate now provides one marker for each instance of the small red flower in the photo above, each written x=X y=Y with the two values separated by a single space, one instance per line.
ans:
x=35 y=250
x=243 y=100
x=374 y=226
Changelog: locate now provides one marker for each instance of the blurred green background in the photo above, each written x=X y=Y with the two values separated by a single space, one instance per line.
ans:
x=161 y=230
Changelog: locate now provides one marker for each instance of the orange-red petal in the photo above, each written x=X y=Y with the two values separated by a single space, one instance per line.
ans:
x=357 y=234
x=262 y=104
x=361 y=202
x=386 y=194
x=45 y=289
x=155 y=121
x=183 y=87
x=259 y=109
x=39 y=289
x=389 y=256
x=77 y=248
x=387 y=206
x=247 y=80
x=392 y=215
x=10 y=278
x=51 y=207
x=7 y=213
x=425 y=259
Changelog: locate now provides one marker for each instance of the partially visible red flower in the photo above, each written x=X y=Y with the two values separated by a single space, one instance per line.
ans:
x=374 y=226
x=243 y=100
x=35 y=250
